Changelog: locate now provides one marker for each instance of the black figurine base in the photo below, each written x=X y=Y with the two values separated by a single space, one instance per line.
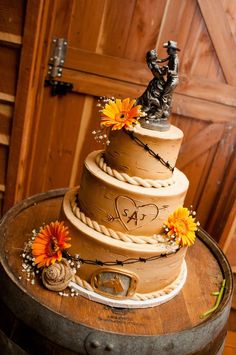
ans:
x=155 y=124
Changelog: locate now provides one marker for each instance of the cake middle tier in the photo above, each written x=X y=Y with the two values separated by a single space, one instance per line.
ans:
x=123 y=207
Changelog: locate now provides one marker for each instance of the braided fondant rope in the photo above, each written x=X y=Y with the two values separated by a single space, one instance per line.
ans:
x=155 y=239
x=83 y=283
x=165 y=291
x=134 y=180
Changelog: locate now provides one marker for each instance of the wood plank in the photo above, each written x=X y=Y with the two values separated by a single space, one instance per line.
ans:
x=93 y=63
x=176 y=25
x=27 y=87
x=4 y=139
x=221 y=36
x=229 y=230
x=9 y=59
x=198 y=170
x=101 y=86
x=108 y=66
x=230 y=344
x=86 y=112
x=3 y=163
x=206 y=89
x=144 y=27
x=200 y=58
x=92 y=122
x=6 y=97
x=230 y=12
x=6 y=113
x=45 y=171
x=10 y=39
x=62 y=11
x=209 y=195
x=115 y=27
x=202 y=109
x=206 y=138
x=12 y=16
x=79 y=35
x=2 y=187
x=6 y=110
x=227 y=194
x=182 y=105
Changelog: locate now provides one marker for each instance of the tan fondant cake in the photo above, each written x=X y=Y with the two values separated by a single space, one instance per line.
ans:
x=124 y=232
x=116 y=218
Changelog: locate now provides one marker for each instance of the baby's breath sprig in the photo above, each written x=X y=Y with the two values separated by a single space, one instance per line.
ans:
x=101 y=135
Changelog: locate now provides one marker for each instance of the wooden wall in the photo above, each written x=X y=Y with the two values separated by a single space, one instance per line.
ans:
x=12 y=15
x=107 y=42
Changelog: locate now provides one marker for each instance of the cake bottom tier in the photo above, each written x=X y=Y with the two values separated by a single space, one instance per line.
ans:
x=117 y=269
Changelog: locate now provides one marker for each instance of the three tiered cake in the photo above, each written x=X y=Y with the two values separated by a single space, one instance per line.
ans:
x=128 y=228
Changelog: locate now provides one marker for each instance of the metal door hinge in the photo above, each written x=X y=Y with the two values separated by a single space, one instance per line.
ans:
x=55 y=64
x=57 y=57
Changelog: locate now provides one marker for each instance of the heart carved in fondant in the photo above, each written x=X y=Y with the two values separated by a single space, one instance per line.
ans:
x=132 y=215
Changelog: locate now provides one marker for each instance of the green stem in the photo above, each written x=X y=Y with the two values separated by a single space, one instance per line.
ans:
x=218 y=300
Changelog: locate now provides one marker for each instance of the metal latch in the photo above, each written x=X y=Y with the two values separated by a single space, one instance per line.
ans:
x=58 y=87
x=56 y=62
x=57 y=57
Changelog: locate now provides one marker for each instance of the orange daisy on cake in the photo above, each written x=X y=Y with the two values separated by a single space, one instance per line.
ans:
x=120 y=113
x=49 y=244
x=181 y=226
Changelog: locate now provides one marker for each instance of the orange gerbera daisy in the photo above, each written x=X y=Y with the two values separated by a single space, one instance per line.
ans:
x=120 y=113
x=49 y=244
x=182 y=226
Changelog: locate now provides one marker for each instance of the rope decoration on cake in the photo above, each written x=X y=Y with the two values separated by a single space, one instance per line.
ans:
x=165 y=291
x=134 y=180
x=82 y=283
x=155 y=239
x=149 y=150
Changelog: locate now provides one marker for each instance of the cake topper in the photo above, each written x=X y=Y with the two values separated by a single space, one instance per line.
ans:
x=156 y=100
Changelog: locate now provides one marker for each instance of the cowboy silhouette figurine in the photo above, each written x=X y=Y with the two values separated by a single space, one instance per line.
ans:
x=156 y=100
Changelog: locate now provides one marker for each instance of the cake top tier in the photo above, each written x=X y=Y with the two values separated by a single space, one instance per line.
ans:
x=144 y=153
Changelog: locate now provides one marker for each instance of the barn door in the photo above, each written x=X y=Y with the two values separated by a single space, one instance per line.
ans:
x=106 y=45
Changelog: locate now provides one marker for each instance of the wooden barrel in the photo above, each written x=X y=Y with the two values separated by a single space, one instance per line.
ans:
x=44 y=322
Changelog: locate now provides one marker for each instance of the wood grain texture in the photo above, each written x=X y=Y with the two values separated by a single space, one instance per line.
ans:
x=201 y=59
x=12 y=15
x=9 y=61
x=230 y=344
x=79 y=33
x=28 y=75
x=221 y=35
x=226 y=195
x=11 y=31
x=3 y=163
x=206 y=268
x=116 y=25
x=6 y=98
x=229 y=230
x=210 y=136
x=145 y=25
x=10 y=39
